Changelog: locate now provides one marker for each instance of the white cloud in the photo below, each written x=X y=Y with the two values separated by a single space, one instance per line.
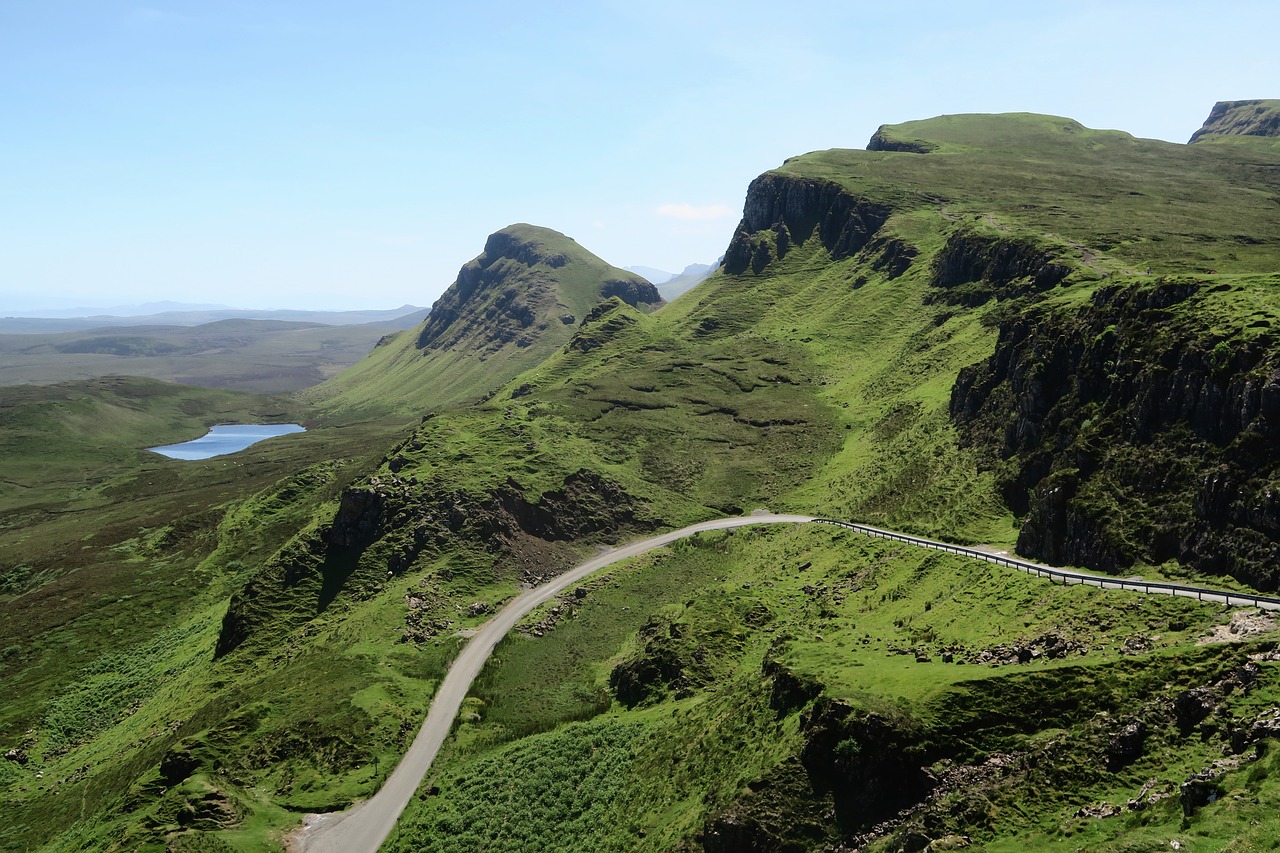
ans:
x=695 y=213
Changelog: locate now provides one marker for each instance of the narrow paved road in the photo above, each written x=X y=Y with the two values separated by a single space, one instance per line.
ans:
x=363 y=828
x=1070 y=576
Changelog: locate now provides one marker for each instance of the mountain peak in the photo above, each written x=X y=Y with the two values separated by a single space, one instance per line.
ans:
x=529 y=244
x=526 y=280
x=510 y=307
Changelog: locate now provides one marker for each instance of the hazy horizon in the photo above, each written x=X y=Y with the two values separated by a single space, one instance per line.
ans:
x=34 y=308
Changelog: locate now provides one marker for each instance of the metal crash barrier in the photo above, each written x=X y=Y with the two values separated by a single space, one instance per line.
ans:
x=1231 y=599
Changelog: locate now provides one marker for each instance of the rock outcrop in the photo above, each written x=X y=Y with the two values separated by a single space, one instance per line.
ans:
x=637 y=294
x=883 y=140
x=487 y=300
x=1241 y=118
x=664 y=662
x=873 y=765
x=383 y=525
x=782 y=211
x=1131 y=430
x=973 y=268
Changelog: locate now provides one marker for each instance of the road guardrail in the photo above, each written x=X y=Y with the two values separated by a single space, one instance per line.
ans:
x=1067 y=576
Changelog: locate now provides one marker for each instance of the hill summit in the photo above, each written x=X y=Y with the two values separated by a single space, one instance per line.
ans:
x=527 y=280
x=509 y=308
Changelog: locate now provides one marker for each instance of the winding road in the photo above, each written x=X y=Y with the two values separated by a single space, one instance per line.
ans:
x=363 y=828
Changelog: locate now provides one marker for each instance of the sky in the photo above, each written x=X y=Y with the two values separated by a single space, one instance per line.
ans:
x=339 y=155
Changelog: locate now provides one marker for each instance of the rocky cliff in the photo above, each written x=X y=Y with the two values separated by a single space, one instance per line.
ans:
x=783 y=211
x=1135 y=429
x=973 y=268
x=1241 y=118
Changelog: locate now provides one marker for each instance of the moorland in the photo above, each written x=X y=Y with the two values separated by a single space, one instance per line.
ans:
x=265 y=354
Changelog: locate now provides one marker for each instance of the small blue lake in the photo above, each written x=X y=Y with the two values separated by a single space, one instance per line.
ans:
x=224 y=439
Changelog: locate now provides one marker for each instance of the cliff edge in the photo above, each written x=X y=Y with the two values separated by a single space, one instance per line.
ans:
x=1241 y=118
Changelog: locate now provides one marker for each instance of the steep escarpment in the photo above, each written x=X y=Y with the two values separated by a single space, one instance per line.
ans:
x=783 y=211
x=1138 y=428
x=1258 y=118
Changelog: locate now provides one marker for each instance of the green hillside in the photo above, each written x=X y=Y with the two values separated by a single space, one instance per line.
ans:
x=1010 y=330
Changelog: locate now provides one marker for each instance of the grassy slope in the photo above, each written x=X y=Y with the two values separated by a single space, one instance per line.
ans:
x=841 y=620
x=817 y=385
x=117 y=564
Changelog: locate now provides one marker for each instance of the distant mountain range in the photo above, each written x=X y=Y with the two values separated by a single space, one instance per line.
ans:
x=655 y=276
x=670 y=284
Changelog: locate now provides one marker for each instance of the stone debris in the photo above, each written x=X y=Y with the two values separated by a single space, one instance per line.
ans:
x=424 y=619
x=564 y=607
x=1049 y=646
x=1244 y=624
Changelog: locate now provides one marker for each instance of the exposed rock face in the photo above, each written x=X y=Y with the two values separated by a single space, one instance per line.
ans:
x=872 y=765
x=782 y=211
x=177 y=764
x=359 y=516
x=894 y=257
x=882 y=140
x=512 y=293
x=653 y=671
x=974 y=268
x=482 y=299
x=383 y=525
x=636 y=293
x=779 y=813
x=1133 y=402
x=209 y=811
x=585 y=505
x=790 y=691
x=1125 y=746
x=1241 y=118
x=1192 y=706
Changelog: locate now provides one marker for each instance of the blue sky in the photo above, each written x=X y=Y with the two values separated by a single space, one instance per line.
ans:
x=354 y=155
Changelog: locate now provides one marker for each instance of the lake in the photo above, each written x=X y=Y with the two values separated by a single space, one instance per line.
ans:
x=224 y=439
